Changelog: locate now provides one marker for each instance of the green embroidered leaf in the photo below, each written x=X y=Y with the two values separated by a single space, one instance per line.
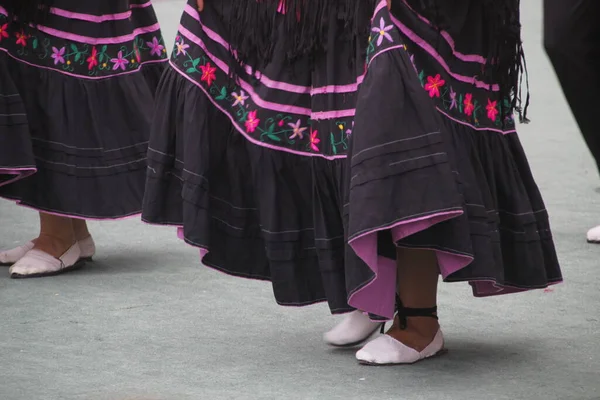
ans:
x=104 y=49
x=77 y=57
x=190 y=70
x=274 y=137
x=35 y=43
x=270 y=130
x=74 y=48
x=195 y=62
x=222 y=95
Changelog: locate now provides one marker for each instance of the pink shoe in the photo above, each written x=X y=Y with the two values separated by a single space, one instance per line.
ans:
x=36 y=263
x=9 y=257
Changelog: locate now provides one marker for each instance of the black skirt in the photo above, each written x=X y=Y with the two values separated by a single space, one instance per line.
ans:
x=251 y=169
x=433 y=165
x=86 y=79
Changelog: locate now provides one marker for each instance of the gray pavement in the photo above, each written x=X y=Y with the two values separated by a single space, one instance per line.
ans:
x=147 y=321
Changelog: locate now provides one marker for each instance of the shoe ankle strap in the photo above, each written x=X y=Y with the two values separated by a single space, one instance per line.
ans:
x=405 y=312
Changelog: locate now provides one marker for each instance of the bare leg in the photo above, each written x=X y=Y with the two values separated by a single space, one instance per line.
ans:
x=80 y=229
x=418 y=275
x=56 y=234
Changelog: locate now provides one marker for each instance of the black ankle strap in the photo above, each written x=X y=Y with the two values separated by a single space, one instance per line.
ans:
x=404 y=313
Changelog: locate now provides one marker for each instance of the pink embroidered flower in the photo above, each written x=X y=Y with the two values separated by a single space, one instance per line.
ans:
x=155 y=47
x=21 y=38
x=280 y=123
x=383 y=30
x=181 y=47
x=119 y=62
x=208 y=73
x=92 y=60
x=454 y=103
x=433 y=85
x=239 y=98
x=492 y=111
x=3 y=31
x=349 y=131
x=297 y=131
x=58 y=55
x=469 y=106
x=251 y=122
x=314 y=141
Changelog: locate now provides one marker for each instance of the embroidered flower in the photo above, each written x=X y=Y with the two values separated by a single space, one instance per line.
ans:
x=92 y=60
x=297 y=131
x=314 y=141
x=469 y=106
x=21 y=38
x=58 y=55
x=492 y=111
x=119 y=62
x=454 y=103
x=208 y=73
x=349 y=131
x=239 y=98
x=3 y=31
x=433 y=85
x=181 y=47
x=155 y=47
x=280 y=123
x=383 y=30
x=251 y=122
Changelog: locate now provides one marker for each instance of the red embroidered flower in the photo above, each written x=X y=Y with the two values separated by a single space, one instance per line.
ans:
x=251 y=122
x=469 y=106
x=492 y=111
x=314 y=141
x=208 y=74
x=433 y=85
x=21 y=38
x=280 y=123
x=92 y=60
x=3 y=31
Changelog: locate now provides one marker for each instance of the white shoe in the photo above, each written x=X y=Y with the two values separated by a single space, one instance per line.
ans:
x=9 y=257
x=593 y=235
x=354 y=329
x=36 y=263
x=88 y=248
x=385 y=350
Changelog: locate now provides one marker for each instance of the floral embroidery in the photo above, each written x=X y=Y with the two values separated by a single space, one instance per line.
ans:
x=382 y=32
x=58 y=55
x=492 y=111
x=461 y=101
x=119 y=62
x=314 y=141
x=469 y=106
x=4 y=32
x=21 y=38
x=181 y=47
x=433 y=85
x=92 y=59
x=240 y=99
x=252 y=122
x=208 y=74
x=63 y=55
x=156 y=48
x=298 y=131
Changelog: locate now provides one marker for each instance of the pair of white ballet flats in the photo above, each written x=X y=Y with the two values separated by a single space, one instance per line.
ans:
x=357 y=328
x=27 y=262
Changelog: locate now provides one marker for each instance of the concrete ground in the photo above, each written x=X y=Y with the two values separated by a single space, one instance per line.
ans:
x=146 y=321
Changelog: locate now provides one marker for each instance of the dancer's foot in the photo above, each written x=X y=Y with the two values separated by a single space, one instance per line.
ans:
x=593 y=235
x=354 y=329
x=9 y=257
x=38 y=263
x=409 y=340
